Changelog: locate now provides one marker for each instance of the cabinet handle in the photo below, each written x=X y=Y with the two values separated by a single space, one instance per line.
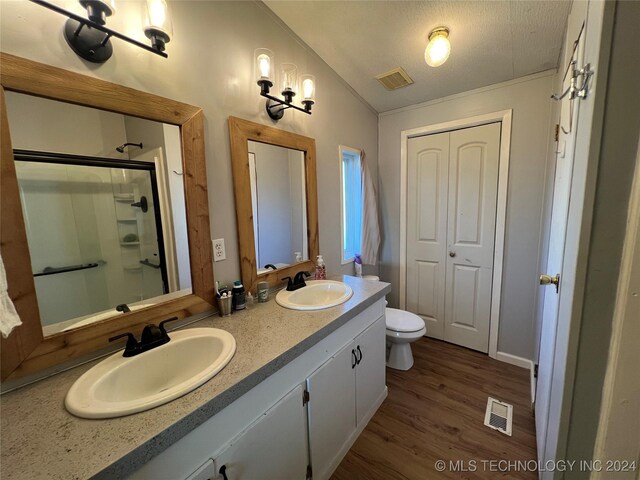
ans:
x=359 y=359
x=354 y=359
x=223 y=472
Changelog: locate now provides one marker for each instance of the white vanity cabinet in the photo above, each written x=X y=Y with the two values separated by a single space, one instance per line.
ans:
x=275 y=431
x=274 y=446
x=344 y=393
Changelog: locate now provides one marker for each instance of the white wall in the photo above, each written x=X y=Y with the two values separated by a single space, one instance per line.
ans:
x=529 y=99
x=210 y=64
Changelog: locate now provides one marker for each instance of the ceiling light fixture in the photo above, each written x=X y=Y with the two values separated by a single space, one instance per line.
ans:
x=263 y=72
x=90 y=39
x=438 y=48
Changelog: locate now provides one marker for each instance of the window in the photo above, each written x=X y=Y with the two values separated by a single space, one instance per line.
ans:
x=351 y=199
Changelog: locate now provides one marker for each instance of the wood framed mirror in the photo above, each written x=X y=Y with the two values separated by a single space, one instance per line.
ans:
x=275 y=186
x=27 y=350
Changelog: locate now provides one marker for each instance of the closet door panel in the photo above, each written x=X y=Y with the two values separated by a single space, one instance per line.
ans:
x=473 y=183
x=427 y=185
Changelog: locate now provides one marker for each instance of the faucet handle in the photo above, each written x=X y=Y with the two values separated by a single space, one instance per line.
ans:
x=162 y=323
x=132 y=347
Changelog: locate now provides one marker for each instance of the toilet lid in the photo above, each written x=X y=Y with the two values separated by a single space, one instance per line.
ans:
x=402 y=321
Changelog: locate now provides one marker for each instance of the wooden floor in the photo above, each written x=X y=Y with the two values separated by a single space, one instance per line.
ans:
x=435 y=411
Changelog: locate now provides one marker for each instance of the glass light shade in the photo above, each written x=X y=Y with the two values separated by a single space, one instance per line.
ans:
x=438 y=48
x=99 y=10
x=263 y=65
x=308 y=87
x=289 y=77
x=158 y=21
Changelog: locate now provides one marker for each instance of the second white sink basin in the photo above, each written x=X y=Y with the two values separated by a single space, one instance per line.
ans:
x=120 y=386
x=318 y=294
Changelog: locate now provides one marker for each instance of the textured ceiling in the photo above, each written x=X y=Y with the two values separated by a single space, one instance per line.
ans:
x=491 y=42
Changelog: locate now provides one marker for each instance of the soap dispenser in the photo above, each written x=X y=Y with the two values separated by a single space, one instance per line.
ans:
x=321 y=269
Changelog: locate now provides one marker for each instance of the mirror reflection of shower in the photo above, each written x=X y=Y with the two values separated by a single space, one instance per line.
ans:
x=94 y=231
x=129 y=144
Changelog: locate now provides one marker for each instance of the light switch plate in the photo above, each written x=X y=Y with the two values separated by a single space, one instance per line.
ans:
x=219 y=252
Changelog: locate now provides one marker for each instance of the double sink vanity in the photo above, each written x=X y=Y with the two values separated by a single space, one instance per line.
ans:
x=280 y=390
x=250 y=416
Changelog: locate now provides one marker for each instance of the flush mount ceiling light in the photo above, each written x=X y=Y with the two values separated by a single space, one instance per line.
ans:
x=263 y=71
x=438 y=48
x=90 y=39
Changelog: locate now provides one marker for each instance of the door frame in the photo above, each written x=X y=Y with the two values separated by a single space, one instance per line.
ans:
x=504 y=117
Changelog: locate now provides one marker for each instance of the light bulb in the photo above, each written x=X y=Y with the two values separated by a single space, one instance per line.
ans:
x=308 y=87
x=438 y=48
x=263 y=64
x=289 y=74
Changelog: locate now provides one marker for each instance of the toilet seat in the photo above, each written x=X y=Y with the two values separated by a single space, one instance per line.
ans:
x=402 y=321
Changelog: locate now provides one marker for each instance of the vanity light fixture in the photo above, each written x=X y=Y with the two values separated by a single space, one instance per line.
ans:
x=438 y=48
x=90 y=39
x=264 y=66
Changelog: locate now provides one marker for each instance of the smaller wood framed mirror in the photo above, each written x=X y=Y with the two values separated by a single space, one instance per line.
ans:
x=275 y=186
x=90 y=240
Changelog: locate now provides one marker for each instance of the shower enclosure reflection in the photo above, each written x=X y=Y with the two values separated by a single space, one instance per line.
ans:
x=104 y=216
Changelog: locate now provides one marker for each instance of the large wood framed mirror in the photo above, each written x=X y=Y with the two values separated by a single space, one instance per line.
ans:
x=100 y=233
x=275 y=186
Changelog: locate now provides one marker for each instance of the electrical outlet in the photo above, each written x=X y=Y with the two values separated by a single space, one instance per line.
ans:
x=219 y=253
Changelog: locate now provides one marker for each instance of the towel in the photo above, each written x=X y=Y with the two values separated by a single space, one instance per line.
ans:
x=9 y=318
x=370 y=227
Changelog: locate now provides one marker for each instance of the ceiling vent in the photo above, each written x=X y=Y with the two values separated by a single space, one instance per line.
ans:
x=394 y=79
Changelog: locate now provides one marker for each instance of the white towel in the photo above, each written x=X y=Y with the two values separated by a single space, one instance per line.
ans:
x=370 y=226
x=9 y=318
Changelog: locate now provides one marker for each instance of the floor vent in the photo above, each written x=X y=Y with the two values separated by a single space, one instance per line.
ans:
x=394 y=79
x=499 y=416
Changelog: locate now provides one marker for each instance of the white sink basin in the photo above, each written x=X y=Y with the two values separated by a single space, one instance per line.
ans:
x=318 y=294
x=120 y=386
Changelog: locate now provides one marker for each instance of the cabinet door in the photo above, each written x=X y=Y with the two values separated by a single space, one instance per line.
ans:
x=370 y=372
x=332 y=416
x=274 y=446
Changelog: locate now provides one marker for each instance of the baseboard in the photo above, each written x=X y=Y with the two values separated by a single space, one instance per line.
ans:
x=514 y=360
x=359 y=429
x=523 y=363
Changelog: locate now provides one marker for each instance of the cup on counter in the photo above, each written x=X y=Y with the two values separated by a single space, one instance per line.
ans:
x=225 y=306
x=263 y=292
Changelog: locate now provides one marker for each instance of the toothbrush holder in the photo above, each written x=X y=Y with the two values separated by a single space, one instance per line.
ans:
x=225 y=306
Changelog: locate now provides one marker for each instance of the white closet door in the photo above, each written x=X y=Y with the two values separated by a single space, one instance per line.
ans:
x=427 y=184
x=473 y=190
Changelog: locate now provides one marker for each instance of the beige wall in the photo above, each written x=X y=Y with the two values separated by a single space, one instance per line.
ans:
x=210 y=64
x=530 y=137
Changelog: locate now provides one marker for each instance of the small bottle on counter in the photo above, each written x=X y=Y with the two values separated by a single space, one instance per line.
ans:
x=250 y=300
x=239 y=300
x=263 y=292
x=321 y=269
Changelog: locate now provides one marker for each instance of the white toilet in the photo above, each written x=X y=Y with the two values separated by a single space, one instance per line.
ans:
x=403 y=328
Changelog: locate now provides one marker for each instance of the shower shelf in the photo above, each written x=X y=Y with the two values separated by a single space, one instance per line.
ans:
x=123 y=197
x=132 y=268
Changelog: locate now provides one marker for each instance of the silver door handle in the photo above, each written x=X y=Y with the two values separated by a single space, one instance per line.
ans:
x=452 y=254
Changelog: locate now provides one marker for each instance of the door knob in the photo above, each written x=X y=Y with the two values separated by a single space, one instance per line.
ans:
x=549 y=280
x=452 y=254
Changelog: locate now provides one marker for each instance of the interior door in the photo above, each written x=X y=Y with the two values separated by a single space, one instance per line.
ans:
x=474 y=157
x=427 y=187
x=557 y=234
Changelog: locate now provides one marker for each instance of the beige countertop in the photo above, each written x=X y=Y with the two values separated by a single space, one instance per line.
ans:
x=39 y=439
